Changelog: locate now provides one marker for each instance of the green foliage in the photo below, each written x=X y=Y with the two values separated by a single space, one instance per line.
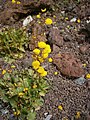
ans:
x=13 y=42
x=24 y=91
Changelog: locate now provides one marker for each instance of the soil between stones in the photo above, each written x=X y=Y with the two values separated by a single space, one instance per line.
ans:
x=64 y=91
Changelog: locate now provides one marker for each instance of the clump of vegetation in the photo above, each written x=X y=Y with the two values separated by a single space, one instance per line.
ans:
x=13 y=42
x=23 y=90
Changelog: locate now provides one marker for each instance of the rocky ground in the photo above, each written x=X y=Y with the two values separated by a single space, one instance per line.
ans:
x=69 y=37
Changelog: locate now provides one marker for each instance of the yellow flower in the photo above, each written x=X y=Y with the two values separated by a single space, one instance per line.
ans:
x=47 y=49
x=34 y=86
x=54 y=16
x=15 y=113
x=25 y=89
x=55 y=73
x=43 y=10
x=18 y=112
x=45 y=55
x=50 y=60
x=3 y=72
x=35 y=64
x=88 y=76
x=60 y=107
x=13 y=66
x=41 y=44
x=13 y=1
x=15 y=84
x=34 y=37
x=18 y=2
x=77 y=115
x=40 y=70
x=38 y=16
x=20 y=94
x=40 y=59
x=78 y=21
x=9 y=71
x=36 y=51
x=84 y=65
x=66 y=18
x=43 y=74
x=48 y=21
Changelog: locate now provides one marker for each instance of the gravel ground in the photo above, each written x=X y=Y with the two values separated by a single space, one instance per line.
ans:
x=64 y=90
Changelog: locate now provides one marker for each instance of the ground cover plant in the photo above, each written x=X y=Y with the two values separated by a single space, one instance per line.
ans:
x=13 y=42
x=24 y=91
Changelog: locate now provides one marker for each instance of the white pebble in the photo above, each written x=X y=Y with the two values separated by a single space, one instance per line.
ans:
x=27 y=20
x=73 y=20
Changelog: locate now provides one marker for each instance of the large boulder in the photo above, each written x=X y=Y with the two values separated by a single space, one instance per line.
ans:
x=68 y=65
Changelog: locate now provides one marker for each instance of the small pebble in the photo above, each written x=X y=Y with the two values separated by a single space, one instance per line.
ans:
x=48 y=117
x=73 y=20
x=45 y=114
x=88 y=21
x=27 y=20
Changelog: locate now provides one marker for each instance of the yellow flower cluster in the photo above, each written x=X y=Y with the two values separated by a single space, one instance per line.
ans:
x=17 y=112
x=34 y=86
x=40 y=54
x=25 y=89
x=3 y=72
x=20 y=94
x=78 y=115
x=17 y=2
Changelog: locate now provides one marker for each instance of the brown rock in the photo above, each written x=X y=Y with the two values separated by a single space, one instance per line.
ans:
x=1 y=118
x=88 y=84
x=34 y=41
x=55 y=37
x=88 y=117
x=84 y=48
x=68 y=65
x=56 y=49
x=81 y=38
x=14 y=12
x=37 y=35
x=27 y=62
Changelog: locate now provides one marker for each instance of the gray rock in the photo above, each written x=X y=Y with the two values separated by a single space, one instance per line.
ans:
x=27 y=62
x=1 y=118
x=55 y=37
x=5 y=111
x=80 y=81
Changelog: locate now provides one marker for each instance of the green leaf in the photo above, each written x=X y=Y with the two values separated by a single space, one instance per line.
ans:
x=21 y=49
x=3 y=96
x=24 y=110
x=13 y=102
x=2 y=83
x=7 y=76
x=31 y=116
x=42 y=93
x=31 y=72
